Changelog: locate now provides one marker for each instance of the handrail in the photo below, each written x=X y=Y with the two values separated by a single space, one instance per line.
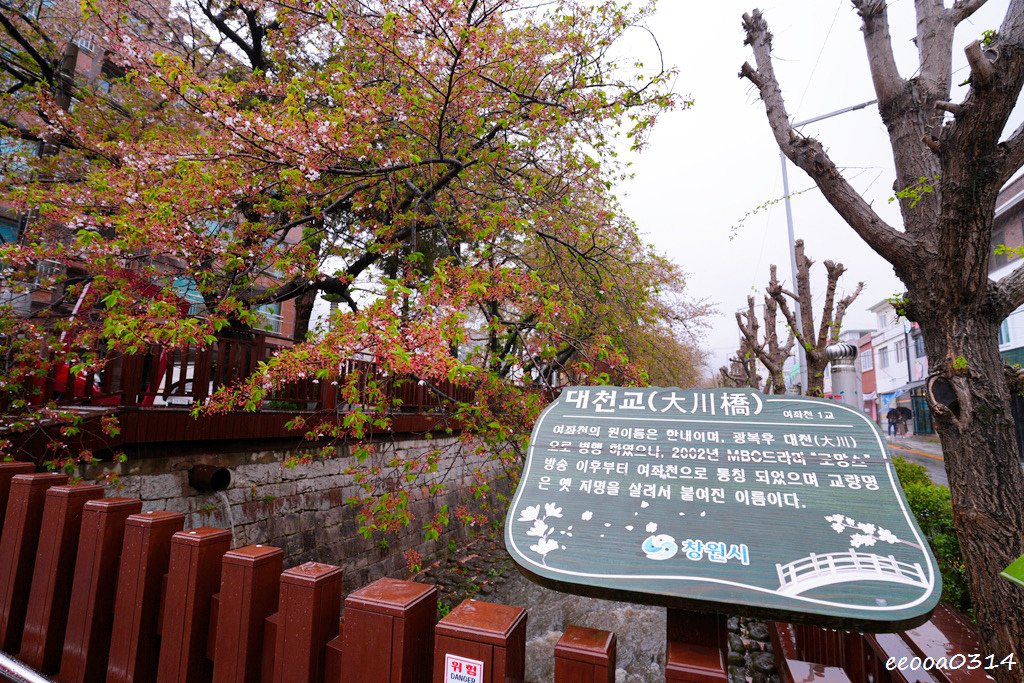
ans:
x=15 y=671
x=158 y=376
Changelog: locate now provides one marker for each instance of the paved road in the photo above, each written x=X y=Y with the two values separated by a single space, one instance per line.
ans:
x=923 y=452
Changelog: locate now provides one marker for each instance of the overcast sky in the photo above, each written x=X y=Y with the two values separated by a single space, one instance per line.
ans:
x=707 y=166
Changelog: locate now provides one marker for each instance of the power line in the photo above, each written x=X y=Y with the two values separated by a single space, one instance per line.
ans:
x=817 y=60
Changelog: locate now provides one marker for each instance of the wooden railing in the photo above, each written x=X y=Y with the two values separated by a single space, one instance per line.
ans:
x=163 y=377
x=113 y=594
x=926 y=654
x=109 y=593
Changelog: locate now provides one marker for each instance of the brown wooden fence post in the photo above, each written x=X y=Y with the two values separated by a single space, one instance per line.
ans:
x=91 y=611
x=8 y=470
x=483 y=634
x=696 y=647
x=306 y=621
x=18 y=551
x=585 y=655
x=329 y=394
x=388 y=634
x=47 y=611
x=144 y=560
x=249 y=588
x=193 y=576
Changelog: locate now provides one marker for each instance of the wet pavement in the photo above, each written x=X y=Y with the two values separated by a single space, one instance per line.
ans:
x=922 y=450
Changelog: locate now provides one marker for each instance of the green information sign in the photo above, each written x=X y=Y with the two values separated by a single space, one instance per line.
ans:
x=1015 y=572
x=724 y=500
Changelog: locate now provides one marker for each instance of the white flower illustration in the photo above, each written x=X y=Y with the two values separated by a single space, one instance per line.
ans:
x=529 y=514
x=869 y=534
x=652 y=527
x=887 y=536
x=544 y=546
x=541 y=530
x=538 y=529
x=587 y=516
x=857 y=540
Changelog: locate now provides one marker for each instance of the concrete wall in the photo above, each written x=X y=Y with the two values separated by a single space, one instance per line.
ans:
x=303 y=510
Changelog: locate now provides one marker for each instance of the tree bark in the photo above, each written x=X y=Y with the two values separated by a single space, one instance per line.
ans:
x=814 y=341
x=981 y=458
x=949 y=178
x=303 y=312
x=768 y=351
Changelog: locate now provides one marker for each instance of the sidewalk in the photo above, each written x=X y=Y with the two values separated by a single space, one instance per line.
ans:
x=923 y=450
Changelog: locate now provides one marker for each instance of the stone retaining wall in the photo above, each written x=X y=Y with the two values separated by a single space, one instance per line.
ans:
x=302 y=509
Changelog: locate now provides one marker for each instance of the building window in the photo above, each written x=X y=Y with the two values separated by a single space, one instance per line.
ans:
x=1006 y=239
x=901 y=351
x=919 y=351
x=883 y=320
x=85 y=41
x=883 y=357
x=9 y=230
x=271 y=318
x=867 y=361
x=1004 y=332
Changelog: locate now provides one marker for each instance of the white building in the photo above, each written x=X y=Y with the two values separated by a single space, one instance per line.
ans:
x=1007 y=230
x=900 y=364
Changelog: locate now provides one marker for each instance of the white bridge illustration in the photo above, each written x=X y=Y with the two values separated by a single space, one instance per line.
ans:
x=824 y=570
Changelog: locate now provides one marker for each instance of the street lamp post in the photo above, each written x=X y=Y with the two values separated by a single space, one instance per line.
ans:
x=801 y=351
x=906 y=343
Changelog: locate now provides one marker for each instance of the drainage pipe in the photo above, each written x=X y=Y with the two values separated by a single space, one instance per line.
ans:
x=209 y=478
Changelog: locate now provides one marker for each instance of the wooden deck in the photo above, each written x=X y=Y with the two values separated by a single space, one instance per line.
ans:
x=148 y=430
x=152 y=394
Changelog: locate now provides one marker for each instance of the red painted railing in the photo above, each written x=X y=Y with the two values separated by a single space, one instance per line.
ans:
x=112 y=594
x=183 y=376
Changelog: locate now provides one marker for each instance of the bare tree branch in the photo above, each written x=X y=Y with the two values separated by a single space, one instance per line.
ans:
x=809 y=155
x=982 y=70
x=962 y=9
x=1013 y=155
x=844 y=304
x=884 y=73
x=826 y=329
x=1007 y=294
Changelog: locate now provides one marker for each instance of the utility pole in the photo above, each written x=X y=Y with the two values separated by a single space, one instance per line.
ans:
x=801 y=351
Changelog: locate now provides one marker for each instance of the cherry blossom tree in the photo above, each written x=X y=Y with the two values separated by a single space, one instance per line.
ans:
x=442 y=168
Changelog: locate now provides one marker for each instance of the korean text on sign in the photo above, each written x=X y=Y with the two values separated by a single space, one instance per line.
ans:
x=462 y=670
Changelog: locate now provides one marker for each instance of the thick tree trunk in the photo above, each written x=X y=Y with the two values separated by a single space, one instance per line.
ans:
x=303 y=312
x=985 y=476
x=816 y=363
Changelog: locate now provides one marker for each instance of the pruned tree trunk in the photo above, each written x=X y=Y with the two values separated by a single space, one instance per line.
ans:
x=742 y=370
x=768 y=351
x=948 y=172
x=814 y=341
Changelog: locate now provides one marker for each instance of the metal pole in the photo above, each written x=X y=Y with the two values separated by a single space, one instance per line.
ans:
x=837 y=112
x=16 y=672
x=801 y=352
